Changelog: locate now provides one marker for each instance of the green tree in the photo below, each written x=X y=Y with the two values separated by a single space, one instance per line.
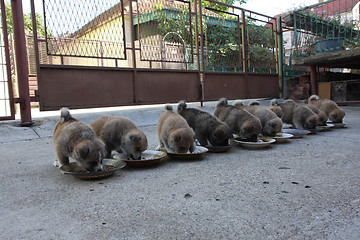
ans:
x=27 y=22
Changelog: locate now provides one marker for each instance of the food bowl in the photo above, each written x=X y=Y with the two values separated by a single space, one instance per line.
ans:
x=262 y=142
x=218 y=149
x=109 y=168
x=188 y=156
x=337 y=125
x=148 y=158
x=316 y=130
x=297 y=133
x=282 y=137
x=327 y=126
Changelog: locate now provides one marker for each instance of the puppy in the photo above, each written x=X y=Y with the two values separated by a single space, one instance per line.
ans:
x=174 y=132
x=321 y=114
x=300 y=116
x=122 y=135
x=270 y=122
x=75 y=139
x=331 y=109
x=276 y=109
x=240 y=121
x=208 y=129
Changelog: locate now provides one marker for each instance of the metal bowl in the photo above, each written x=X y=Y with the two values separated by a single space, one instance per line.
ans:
x=188 y=156
x=337 y=125
x=148 y=158
x=297 y=133
x=283 y=137
x=109 y=168
x=262 y=142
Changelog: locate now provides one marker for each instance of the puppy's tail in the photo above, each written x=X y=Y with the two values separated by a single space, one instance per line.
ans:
x=168 y=107
x=222 y=102
x=254 y=103
x=238 y=104
x=65 y=114
x=314 y=97
x=181 y=106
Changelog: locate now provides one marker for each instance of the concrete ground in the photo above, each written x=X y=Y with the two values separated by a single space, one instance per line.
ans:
x=308 y=188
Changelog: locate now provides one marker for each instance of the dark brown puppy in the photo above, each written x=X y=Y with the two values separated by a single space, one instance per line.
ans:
x=270 y=122
x=75 y=139
x=174 y=132
x=122 y=135
x=331 y=109
x=240 y=121
x=298 y=115
x=208 y=129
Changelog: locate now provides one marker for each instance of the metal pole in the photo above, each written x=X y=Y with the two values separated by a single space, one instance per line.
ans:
x=21 y=62
x=245 y=51
x=313 y=79
x=280 y=55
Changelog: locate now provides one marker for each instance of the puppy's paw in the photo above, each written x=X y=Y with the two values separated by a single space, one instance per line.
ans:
x=56 y=163
x=158 y=148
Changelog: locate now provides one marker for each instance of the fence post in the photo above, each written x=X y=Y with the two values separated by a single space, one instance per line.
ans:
x=245 y=51
x=280 y=55
x=21 y=62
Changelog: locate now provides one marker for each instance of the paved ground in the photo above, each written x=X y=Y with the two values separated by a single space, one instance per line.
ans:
x=306 y=189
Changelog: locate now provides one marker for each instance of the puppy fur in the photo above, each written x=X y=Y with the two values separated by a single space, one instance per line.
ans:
x=122 y=135
x=331 y=109
x=270 y=122
x=75 y=139
x=321 y=114
x=208 y=129
x=300 y=116
x=174 y=132
x=240 y=121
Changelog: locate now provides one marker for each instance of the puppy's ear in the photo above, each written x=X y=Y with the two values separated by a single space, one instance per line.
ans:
x=83 y=152
x=135 y=138
x=177 y=138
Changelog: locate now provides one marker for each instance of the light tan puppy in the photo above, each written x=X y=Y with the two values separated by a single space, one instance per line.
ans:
x=298 y=115
x=122 y=135
x=240 y=121
x=276 y=109
x=331 y=109
x=174 y=132
x=75 y=139
x=270 y=122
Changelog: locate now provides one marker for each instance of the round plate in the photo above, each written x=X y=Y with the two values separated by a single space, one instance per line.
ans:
x=297 y=133
x=218 y=149
x=109 y=168
x=188 y=156
x=327 y=126
x=282 y=137
x=337 y=125
x=316 y=130
x=263 y=142
x=148 y=158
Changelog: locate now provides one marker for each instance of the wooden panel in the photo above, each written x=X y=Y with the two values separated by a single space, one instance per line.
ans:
x=78 y=87
x=262 y=86
x=325 y=90
x=166 y=86
x=229 y=85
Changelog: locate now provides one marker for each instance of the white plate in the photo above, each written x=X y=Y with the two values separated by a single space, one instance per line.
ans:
x=282 y=137
x=263 y=143
x=337 y=125
x=297 y=133
x=188 y=156
x=148 y=157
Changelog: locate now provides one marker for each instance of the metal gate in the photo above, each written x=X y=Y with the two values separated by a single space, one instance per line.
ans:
x=7 y=111
x=109 y=53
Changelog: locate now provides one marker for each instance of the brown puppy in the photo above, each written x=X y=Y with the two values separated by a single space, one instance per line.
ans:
x=240 y=121
x=300 y=116
x=174 y=132
x=122 y=135
x=208 y=129
x=270 y=122
x=276 y=109
x=73 y=138
x=322 y=115
x=331 y=109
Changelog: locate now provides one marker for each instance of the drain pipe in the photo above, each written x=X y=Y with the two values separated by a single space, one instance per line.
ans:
x=21 y=63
